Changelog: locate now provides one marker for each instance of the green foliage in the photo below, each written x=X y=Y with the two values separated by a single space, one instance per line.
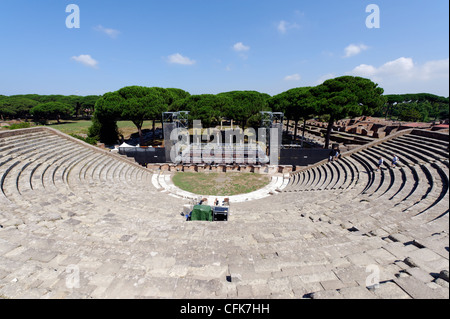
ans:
x=333 y=100
x=255 y=121
x=279 y=103
x=443 y=114
x=244 y=105
x=89 y=140
x=16 y=107
x=207 y=108
x=95 y=128
x=134 y=103
x=19 y=106
x=296 y=104
x=104 y=130
x=51 y=111
x=84 y=105
x=177 y=94
x=428 y=105
x=413 y=111
x=6 y=112
x=140 y=103
x=19 y=126
x=347 y=96
x=411 y=114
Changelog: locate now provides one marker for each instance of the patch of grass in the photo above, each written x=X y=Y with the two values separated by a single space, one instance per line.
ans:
x=19 y=126
x=220 y=184
x=81 y=127
x=72 y=127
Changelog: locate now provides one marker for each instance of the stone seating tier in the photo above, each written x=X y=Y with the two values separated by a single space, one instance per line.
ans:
x=67 y=207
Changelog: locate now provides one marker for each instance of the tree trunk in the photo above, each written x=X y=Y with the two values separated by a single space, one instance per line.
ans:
x=295 y=129
x=388 y=111
x=244 y=124
x=77 y=109
x=153 y=128
x=287 y=127
x=329 y=128
x=303 y=133
x=141 y=138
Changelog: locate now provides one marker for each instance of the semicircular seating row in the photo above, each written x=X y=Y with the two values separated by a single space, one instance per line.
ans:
x=416 y=190
x=43 y=162
x=44 y=176
x=49 y=175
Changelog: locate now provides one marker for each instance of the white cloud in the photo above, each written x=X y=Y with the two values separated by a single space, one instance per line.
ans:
x=365 y=70
x=112 y=33
x=354 y=49
x=435 y=69
x=403 y=75
x=402 y=68
x=177 y=58
x=293 y=77
x=86 y=59
x=240 y=47
x=284 y=26
x=325 y=77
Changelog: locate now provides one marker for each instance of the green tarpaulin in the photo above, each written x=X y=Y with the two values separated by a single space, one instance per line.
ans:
x=202 y=212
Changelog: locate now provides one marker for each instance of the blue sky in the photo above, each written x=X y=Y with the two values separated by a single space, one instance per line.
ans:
x=213 y=46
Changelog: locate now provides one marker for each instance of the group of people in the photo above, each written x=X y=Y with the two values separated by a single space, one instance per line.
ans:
x=225 y=202
x=335 y=154
x=394 y=162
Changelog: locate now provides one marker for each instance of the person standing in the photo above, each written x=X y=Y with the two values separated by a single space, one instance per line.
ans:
x=331 y=155
x=380 y=163
x=394 y=161
x=337 y=154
